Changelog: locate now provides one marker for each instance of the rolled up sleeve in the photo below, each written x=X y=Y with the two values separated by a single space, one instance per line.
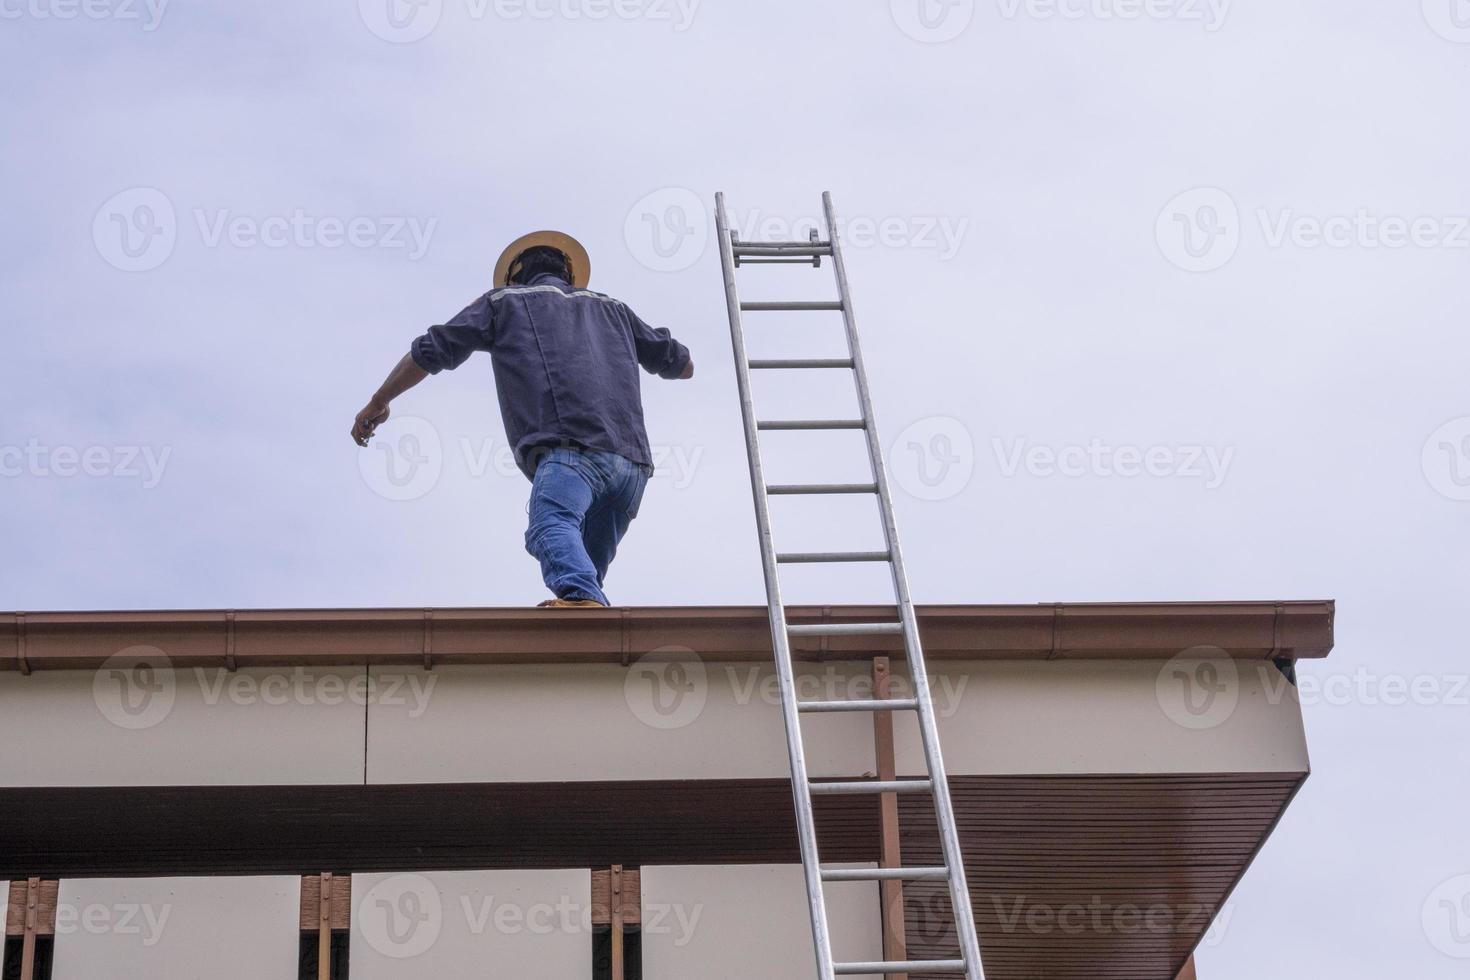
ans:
x=448 y=345
x=658 y=351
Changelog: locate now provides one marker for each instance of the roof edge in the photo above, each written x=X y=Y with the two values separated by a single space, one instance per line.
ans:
x=1254 y=630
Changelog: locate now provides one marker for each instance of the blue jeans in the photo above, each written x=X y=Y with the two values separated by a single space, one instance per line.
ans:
x=582 y=502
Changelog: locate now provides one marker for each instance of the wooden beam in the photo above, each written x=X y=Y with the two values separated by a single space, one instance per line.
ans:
x=311 y=896
x=602 y=897
x=15 y=908
x=890 y=893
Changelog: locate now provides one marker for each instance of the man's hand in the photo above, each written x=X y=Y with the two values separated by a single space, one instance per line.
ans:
x=374 y=415
x=404 y=376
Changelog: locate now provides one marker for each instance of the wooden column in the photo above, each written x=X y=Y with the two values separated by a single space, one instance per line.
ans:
x=617 y=902
x=30 y=913
x=890 y=893
x=1188 y=972
x=326 y=904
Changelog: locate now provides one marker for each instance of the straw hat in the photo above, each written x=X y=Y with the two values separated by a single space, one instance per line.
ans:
x=562 y=242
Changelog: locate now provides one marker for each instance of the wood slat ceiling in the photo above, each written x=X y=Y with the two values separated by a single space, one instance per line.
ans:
x=1089 y=877
x=1107 y=848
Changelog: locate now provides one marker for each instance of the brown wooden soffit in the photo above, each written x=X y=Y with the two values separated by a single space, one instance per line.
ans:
x=1071 y=877
x=345 y=637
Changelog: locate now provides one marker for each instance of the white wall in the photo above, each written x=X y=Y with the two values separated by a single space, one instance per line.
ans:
x=659 y=719
x=689 y=720
x=737 y=922
x=180 y=727
x=482 y=924
x=177 y=929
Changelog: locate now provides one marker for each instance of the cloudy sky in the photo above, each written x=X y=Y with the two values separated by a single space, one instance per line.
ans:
x=1162 y=300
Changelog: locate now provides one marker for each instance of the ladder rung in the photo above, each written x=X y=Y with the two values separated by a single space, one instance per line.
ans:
x=793 y=424
x=757 y=307
x=844 y=629
x=792 y=489
x=884 y=874
x=807 y=249
x=881 y=704
x=770 y=363
x=900 y=966
x=822 y=557
x=872 y=786
x=760 y=247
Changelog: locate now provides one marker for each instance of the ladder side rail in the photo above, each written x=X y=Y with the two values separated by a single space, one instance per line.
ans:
x=780 y=641
x=928 y=729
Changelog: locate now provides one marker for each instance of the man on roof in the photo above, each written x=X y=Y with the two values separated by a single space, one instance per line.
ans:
x=566 y=365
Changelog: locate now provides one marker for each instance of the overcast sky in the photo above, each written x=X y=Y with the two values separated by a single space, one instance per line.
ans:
x=1162 y=301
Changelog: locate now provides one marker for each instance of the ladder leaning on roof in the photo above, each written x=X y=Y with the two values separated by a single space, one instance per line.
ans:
x=732 y=253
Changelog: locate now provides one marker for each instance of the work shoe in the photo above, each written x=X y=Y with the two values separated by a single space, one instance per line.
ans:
x=570 y=604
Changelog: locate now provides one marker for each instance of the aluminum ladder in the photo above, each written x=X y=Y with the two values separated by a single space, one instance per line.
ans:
x=733 y=253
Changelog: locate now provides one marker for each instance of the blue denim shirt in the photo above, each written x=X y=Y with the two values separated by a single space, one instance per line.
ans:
x=566 y=365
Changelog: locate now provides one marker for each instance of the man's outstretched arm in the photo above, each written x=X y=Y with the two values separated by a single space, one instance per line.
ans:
x=443 y=348
x=404 y=376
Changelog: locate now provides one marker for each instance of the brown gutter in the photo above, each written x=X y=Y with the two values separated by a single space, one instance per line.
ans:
x=326 y=637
